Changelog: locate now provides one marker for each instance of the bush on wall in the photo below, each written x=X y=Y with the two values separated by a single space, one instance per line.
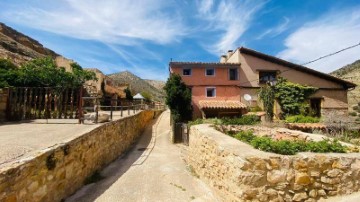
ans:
x=292 y=97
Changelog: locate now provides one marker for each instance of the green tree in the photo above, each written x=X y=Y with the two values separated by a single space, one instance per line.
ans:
x=178 y=98
x=8 y=72
x=42 y=72
x=147 y=96
x=128 y=93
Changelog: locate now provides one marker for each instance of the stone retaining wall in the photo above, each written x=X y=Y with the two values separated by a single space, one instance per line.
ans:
x=240 y=173
x=57 y=172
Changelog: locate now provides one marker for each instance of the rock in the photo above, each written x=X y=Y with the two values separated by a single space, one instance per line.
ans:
x=321 y=192
x=276 y=176
x=334 y=173
x=250 y=193
x=332 y=193
x=271 y=192
x=330 y=180
x=313 y=193
x=302 y=178
x=102 y=117
x=342 y=163
x=310 y=200
x=300 y=164
x=300 y=196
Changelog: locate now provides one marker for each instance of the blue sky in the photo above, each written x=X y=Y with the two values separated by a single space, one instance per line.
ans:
x=142 y=36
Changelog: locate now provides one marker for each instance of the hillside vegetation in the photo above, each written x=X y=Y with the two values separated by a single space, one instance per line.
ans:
x=350 y=73
x=137 y=85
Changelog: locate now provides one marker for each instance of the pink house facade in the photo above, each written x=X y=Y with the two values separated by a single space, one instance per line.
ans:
x=218 y=89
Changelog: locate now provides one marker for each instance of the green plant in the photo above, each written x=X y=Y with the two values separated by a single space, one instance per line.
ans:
x=196 y=122
x=147 y=96
x=178 y=98
x=352 y=113
x=128 y=93
x=287 y=147
x=243 y=120
x=356 y=108
x=301 y=119
x=267 y=96
x=256 y=109
x=42 y=72
x=292 y=97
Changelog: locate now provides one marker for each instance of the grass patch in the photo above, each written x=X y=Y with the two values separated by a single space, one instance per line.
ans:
x=287 y=147
x=301 y=119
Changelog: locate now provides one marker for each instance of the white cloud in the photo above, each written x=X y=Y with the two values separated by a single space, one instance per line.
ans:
x=332 y=32
x=231 y=18
x=272 y=32
x=110 y=21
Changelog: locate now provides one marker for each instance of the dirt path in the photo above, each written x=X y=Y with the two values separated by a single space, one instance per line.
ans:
x=151 y=171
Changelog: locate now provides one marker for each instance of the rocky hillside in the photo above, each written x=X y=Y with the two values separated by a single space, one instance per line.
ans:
x=156 y=83
x=351 y=73
x=20 y=48
x=137 y=85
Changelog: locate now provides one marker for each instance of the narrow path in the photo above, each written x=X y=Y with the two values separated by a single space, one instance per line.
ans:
x=152 y=171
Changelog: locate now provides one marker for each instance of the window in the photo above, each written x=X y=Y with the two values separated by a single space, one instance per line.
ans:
x=233 y=74
x=187 y=72
x=210 y=72
x=267 y=76
x=211 y=92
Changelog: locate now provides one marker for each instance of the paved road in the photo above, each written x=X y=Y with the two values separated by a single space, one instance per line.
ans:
x=151 y=171
x=20 y=140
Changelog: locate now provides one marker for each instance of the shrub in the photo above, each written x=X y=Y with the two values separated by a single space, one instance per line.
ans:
x=245 y=136
x=352 y=113
x=302 y=119
x=356 y=108
x=244 y=120
x=287 y=147
x=256 y=109
x=196 y=122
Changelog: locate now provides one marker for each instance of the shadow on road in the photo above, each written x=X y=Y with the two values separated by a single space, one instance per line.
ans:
x=133 y=157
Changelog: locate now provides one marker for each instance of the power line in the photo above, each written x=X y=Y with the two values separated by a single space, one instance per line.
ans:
x=322 y=57
x=331 y=54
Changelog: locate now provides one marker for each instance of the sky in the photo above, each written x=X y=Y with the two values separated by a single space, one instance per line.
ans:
x=144 y=36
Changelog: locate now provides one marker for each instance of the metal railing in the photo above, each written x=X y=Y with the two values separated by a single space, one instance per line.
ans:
x=131 y=107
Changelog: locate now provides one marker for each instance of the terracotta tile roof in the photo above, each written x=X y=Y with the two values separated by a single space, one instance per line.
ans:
x=221 y=104
x=302 y=68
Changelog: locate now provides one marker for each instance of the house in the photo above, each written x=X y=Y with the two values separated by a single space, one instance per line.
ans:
x=229 y=87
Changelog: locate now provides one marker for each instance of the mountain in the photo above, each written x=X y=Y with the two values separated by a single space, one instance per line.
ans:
x=156 y=83
x=20 y=48
x=137 y=85
x=350 y=73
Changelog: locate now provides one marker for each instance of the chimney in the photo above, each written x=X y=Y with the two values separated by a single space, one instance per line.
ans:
x=223 y=59
x=229 y=53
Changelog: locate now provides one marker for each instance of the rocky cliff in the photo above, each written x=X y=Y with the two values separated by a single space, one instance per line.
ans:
x=351 y=73
x=20 y=48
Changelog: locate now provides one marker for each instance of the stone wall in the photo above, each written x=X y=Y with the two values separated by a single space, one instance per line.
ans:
x=239 y=172
x=59 y=171
x=3 y=103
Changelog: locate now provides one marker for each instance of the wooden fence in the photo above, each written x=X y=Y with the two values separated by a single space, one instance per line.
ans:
x=43 y=103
